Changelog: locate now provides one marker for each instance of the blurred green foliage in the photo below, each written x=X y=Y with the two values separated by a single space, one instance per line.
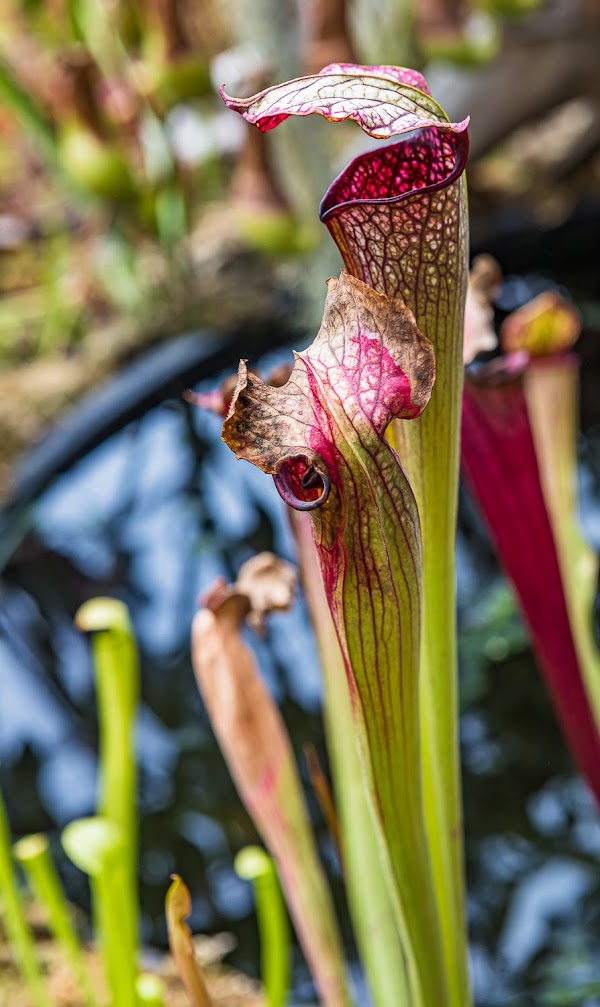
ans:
x=113 y=135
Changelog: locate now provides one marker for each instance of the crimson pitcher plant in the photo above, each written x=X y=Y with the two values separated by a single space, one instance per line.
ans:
x=519 y=459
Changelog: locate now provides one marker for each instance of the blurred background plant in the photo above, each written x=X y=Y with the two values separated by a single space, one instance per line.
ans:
x=104 y=848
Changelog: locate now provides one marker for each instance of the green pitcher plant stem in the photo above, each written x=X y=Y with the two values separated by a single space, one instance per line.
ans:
x=95 y=845
x=116 y=667
x=253 y=864
x=367 y=881
x=33 y=853
x=12 y=914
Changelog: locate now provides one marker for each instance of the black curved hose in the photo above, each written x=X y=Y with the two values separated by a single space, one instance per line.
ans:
x=163 y=372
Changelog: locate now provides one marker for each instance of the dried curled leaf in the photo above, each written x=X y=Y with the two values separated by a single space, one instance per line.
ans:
x=264 y=584
x=269 y=583
x=367 y=365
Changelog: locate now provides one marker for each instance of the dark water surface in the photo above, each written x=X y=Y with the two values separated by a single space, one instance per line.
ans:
x=153 y=516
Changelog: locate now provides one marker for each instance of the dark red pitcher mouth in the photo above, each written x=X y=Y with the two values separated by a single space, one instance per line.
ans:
x=429 y=160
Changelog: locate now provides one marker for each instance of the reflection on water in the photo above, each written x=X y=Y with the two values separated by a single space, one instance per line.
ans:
x=153 y=516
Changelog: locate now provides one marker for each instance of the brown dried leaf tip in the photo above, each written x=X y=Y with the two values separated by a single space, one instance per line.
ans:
x=178 y=907
x=244 y=717
x=269 y=583
x=485 y=279
x=264 y=584
x=255 y=744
